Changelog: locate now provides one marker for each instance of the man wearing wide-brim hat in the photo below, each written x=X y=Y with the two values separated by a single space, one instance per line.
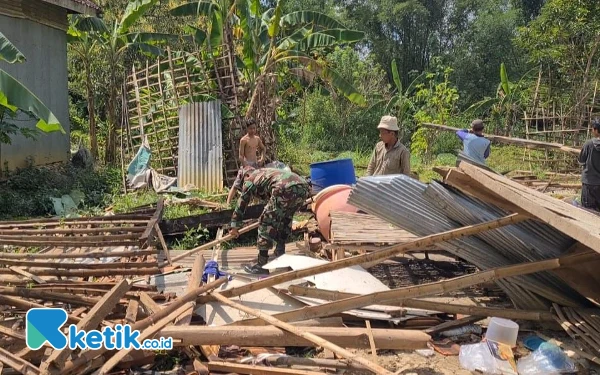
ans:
x=390 y=156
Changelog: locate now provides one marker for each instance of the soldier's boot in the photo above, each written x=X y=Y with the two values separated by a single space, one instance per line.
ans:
x=258 y=269
x=279 y=249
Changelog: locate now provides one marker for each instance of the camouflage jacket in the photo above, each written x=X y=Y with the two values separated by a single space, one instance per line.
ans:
x=262 y=183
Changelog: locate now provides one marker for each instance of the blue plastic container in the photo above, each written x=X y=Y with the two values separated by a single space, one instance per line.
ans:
x=332 y=172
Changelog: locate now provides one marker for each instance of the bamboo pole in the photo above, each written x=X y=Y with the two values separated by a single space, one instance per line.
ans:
x=385 y=253
x=430 y=305
x=26 y=305
x=97 y=254
x=237 y=368
x=313 y=362
x=48 y=296
x=77 y=266
x=422 y=290
x=212 y=243
x=352 y=358
x=146 y=334
x=515 y=141
x=88 y=273
x=72 y=367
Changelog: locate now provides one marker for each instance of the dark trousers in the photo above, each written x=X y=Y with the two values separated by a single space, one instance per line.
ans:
x=590 y=196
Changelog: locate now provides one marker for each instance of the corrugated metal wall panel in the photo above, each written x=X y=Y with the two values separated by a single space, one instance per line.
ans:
x=200 y=146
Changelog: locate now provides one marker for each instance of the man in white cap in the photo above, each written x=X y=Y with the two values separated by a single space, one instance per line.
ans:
x=390 y=156
x=475 y=145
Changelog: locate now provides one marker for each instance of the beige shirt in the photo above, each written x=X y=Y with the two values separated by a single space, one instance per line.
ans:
x=393 y=161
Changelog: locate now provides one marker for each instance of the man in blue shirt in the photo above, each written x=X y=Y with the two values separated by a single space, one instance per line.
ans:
x=475 y=145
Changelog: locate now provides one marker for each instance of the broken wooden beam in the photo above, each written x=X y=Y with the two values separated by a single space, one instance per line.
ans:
x=237 y=368
x=84 y=359
x=18 y=364
x=89 y=322
x=390 y=339
x=385 y=253
x=422 y=290
x=145 y=334
x=290 y=361
x=350 y=357
x=431 y=305
x=575 y=222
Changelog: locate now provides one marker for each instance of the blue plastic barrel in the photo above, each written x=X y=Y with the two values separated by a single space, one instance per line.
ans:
x=332 y=172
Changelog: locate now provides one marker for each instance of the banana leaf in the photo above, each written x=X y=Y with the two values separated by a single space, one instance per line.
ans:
x=14 y=95
x=312 y=17
x=195 y=8
x=135 y=9
x=8 y=51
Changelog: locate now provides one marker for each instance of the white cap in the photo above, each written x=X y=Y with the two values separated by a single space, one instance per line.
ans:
x=388 y=123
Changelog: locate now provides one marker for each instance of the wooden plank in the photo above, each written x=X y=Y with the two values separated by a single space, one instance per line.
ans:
x=89 y=322
x=579 y=224
x=431 y=306
x=145 y=334
x=371 y=339
x=22 y=265
x=422 y=290
x=156 y=217
x=31 y=276
x=132 y=311
x=17 y=363
x=149 y=304
x=163 y=244
x=194 y=281
x=221 y=366
x=84 y=359
x=381 y=255
x=352 y=358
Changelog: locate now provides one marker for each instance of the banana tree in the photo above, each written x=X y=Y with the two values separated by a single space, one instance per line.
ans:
x=14 y=96
x=85 y=46
x=271 y=41
x=506 y=105
x=115 y=41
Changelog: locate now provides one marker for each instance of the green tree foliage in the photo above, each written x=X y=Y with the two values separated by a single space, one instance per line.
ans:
x=329 y=122
x=485 y=40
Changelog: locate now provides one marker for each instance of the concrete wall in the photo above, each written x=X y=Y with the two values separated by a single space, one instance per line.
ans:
x=45 y=74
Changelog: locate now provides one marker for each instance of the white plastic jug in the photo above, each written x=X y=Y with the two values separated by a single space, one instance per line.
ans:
x=503 y=331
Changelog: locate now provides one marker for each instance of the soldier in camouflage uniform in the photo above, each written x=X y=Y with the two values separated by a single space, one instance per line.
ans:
x=286 y=193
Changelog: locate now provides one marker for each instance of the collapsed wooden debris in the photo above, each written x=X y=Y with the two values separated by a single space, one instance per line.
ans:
x=300 y=307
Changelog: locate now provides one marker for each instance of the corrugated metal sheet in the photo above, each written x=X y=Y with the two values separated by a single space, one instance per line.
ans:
x=428 y=209
x=201 y=146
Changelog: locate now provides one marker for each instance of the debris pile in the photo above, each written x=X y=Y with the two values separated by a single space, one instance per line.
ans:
x=476 y=267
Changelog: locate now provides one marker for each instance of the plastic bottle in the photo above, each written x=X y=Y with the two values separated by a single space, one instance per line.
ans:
x=548 y=359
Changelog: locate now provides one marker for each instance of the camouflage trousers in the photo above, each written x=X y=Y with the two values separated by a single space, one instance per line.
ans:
x=276 y=219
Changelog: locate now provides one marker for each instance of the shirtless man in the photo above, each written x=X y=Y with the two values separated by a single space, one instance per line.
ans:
x=250 y=144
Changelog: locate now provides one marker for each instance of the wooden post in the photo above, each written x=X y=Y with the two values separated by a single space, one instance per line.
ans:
x=385 y=253
x=306 y=335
